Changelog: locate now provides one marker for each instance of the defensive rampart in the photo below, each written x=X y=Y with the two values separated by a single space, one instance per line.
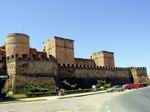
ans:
x=87 y=75
x=25 y=72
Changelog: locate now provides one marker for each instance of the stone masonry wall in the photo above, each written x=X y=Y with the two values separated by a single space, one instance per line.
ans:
x=2 y=68
x=17 y=43
x=87 y=75
x=140 y=75
x=103 y=58
x=31 y=72
x=49 y=47
x=1 y=65
x=108 y=59
x=64 y=50
x=82 y=61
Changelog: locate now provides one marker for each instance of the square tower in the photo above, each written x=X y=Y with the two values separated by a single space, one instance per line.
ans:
x=61 y=48
x=103 y=58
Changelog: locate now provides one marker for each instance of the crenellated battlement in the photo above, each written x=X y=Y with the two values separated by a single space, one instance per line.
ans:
x=98 y=67
x=79 y=66
x=87 y=66
x=83 y=59
x=30 y=58
x=138 y=68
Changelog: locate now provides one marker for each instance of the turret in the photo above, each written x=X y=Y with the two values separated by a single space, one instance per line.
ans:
x=103 y=58
x=17 y=44
x=62 y=49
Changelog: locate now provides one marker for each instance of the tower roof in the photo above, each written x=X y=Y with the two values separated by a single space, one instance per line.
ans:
x=57 y=37
x=107 y=52
x=17 y=34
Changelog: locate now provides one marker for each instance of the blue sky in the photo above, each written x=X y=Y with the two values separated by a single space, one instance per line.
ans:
x=121 y=26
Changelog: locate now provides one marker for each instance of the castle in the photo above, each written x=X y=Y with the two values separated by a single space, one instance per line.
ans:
x=26 y=66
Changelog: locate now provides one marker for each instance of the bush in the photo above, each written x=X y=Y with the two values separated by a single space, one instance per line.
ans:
x=102 y=85
x=68 y=86
x=37 y=91
x=4 y=93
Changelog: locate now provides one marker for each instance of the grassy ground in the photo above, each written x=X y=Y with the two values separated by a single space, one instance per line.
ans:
x=17 y=96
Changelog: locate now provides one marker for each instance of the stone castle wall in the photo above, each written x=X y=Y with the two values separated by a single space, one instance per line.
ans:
x=27 y=72
x=82 y=61
x=1 y=65
x=47 y=72
x=2 y=68
x=2 y=62
x=140 y=75
x=2 y=55
x=88 y=75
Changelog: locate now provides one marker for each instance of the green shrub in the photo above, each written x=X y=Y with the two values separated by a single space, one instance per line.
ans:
x=3 y=95
x=37 y=91
x=68 y=86
x=4 y=92
x=102 y=85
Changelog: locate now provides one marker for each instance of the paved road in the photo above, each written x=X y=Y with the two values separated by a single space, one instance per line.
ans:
x=131 y=101
x=134 y=101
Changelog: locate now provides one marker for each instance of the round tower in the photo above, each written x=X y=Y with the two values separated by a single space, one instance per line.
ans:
x=17 y=44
